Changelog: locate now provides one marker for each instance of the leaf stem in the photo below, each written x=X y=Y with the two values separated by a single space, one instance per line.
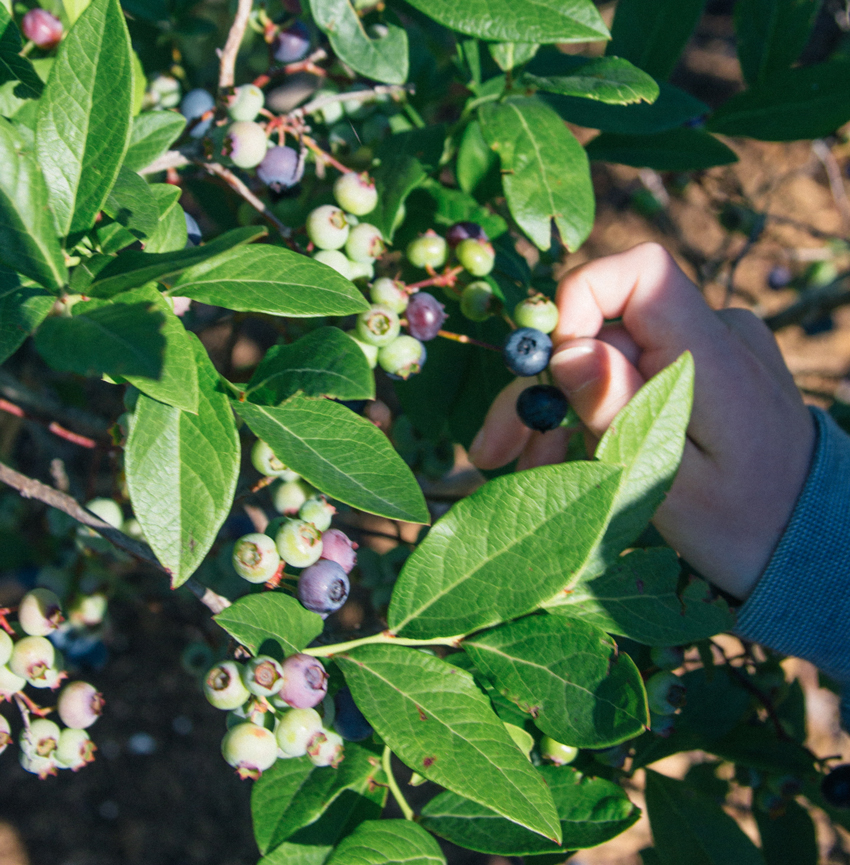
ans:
x=384 y=637
x=393 y=784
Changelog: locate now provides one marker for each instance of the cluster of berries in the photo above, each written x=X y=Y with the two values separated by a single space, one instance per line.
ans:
x=30 y=658
x=665 y=692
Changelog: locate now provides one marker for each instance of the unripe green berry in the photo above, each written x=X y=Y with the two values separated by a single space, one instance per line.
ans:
x=664 y=693
x=74 y=750
x=89 y=610
x=108 y=510
x=327 y=227
x=339 y=261
x=80 y=705
x=379 y=325
x=365 y=243
x=41 y=766
x=262 y=676
x=299 y=543
x=289 y=496
x=559 y=753
x=246 y=144
x=249 y=749
x=255 y=557
x=390 y=293
x=6 y=646
x=256 y=710
x=31 y=658
x=429 y=250
x=477 y=301
x=361 y=270
x=224 y=686
x=402 y=357
x=39 y=613
x=356 y=193
x=266 y=463
x=538 y=312
x=5 y=734
x=667 y=657
x=53 y=676
x=246 y=102
x=10 y=683
x=371 y=351
x=295 y=730
x=326 y=749
x=317 y=511
x=476 y=256
x=41 y=738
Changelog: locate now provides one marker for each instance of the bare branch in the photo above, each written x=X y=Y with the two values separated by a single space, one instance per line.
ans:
x=169 y=159
x=396 y=91
x=231 y=47
x=814 y=303
x=30 y=488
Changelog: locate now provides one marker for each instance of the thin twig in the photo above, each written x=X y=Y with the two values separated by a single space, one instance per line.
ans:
x=814 y=303
x=52 y=426
x=226 y=75
x=169 y=159
x=30 y=488
x=393 y=90
x=836 y=182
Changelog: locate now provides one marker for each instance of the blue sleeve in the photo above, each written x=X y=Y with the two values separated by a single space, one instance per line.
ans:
x=801 y=604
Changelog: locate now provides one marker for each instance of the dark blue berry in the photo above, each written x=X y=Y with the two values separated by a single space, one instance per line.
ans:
x=292 y=44
x=281 y=168
x=836 y=786
x=542 y=407
x=193 y=230
x=464 y=231
x=348 y=720
x=527 y=351
x=323 y=587
x=778 y=277
x=425 y=316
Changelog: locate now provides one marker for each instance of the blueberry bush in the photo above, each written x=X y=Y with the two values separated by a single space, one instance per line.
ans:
x=363 y=178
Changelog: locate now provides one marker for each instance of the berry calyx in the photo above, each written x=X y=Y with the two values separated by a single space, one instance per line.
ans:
x=41 y=738
x=461 y=231
x=326 y=749
x=338 y=547
x=295 y=730
x=318 y=511
x=265 y=461
x=80 y=705
x=299 y=543
x=476 y=256
x=664 y=693
x=559 y=753
x=224 y=686
x=527 y=351
x=292 y=44
x=429 y=250
x=281 y=168
x=42 y=28
x=245 y=103
x=390 y=293
x=39 y=613
x=477 y=301
x=249 y=749
x=323 y=587
x=542 y=407
x=537 y=312
x=355 y=193
x=425 y=316
x=255 y=557
x=327 y=227
x=378 y=326
x=305 y=681
x=263 y=676
x=403 y=357
x=365 y=243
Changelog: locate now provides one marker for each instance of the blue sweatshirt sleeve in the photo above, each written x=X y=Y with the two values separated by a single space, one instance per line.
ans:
x=801 y=604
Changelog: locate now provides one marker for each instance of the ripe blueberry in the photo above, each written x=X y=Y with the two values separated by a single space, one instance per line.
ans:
x=305 y=682
x=292 y=44
x=537 y=312
x=542 y=407
x=195 y=104
x=327 y=227
x=461 y=231
x=281 y=168
x=349 y=721
x=323 y=587
x=355 y=193
x=224 y=686
x=299 y=543
x=429 y=250
x=476 y=256
x=527 y=351
x=245 y=143
x=80 y=705
x=249 y=749
x=425 y=316
x=39 y=26
x=835 y=786
x=255 y=557
x=403 y=357
x=338 y=547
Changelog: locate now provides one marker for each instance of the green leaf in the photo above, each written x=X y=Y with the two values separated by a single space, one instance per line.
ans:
x=605 y=79
x=637 y=597
x=509 y=55
x=475 y=160
x=542 y=21
x=75 y=8
x=568 y=675
x=14 y=67
x=120 y=339
x=325 y=362
x=181 y=472
x=271 y=616
x=545 y=173
x=270 y=279
x=345 y=456
x=383 y=58
x=758 y=747
x=436 y=720
x=170 y=234
x=772 y=34
x=395 y=178
x=152 y=134
x=672 y=150
x=176 y=382
x=22 y=310
x=788 y=839
x=388 y=842
x=28 y=241
x=689 y=826
x=107 y=276
x=131 y=204
x=500 y=552
x=809 y=102
x=454 y=205
x=84 y=115
x=591 y=811
x=671 y=109
x=653 y=35
x=294 y=794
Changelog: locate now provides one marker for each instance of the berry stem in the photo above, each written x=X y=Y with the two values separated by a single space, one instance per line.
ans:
x=393 y=784
x=383 y=637
x=447 y=278
x=462 y=337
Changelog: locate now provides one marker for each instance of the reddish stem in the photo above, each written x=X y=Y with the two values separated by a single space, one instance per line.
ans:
x=462 y=337
x=447 y=278
x=55 y=428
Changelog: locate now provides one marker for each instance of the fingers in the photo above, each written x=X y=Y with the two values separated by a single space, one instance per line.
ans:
x=544 y=449
x=503 y=436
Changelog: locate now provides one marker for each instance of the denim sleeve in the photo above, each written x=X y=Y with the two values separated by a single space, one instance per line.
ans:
x=801 y=604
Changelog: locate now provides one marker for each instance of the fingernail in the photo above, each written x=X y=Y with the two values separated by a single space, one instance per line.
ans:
x=575 y=366
x=476 y=446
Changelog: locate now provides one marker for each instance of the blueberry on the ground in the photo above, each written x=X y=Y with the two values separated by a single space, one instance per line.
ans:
x=292 y=44
x=195 y=104
x=323 y=587
x=464 y=231
x=835 y=787
x=349 y=721
x=542 y=407
x=39 y=26
x=425 y=316
x=281 y=168
x=527 y=351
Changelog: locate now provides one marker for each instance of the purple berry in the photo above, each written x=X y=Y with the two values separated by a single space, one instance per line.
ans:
x=41 y=27
x=323 y=587
x=338 y=547
x=292 y=44
x=779 y=277
x=281 y=168
x=542 y=407
x=464 y=231
x=305 y=682
x=527 y=351
x=425 y=316
x=349 y=721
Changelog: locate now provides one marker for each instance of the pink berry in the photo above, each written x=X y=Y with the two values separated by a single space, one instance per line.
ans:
x=305 y=681
x=339 y=548
x=80 y=705
x=41 y=27
x=425 y=316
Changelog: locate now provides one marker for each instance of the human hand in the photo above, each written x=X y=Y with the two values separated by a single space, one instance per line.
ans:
x=750 y=437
